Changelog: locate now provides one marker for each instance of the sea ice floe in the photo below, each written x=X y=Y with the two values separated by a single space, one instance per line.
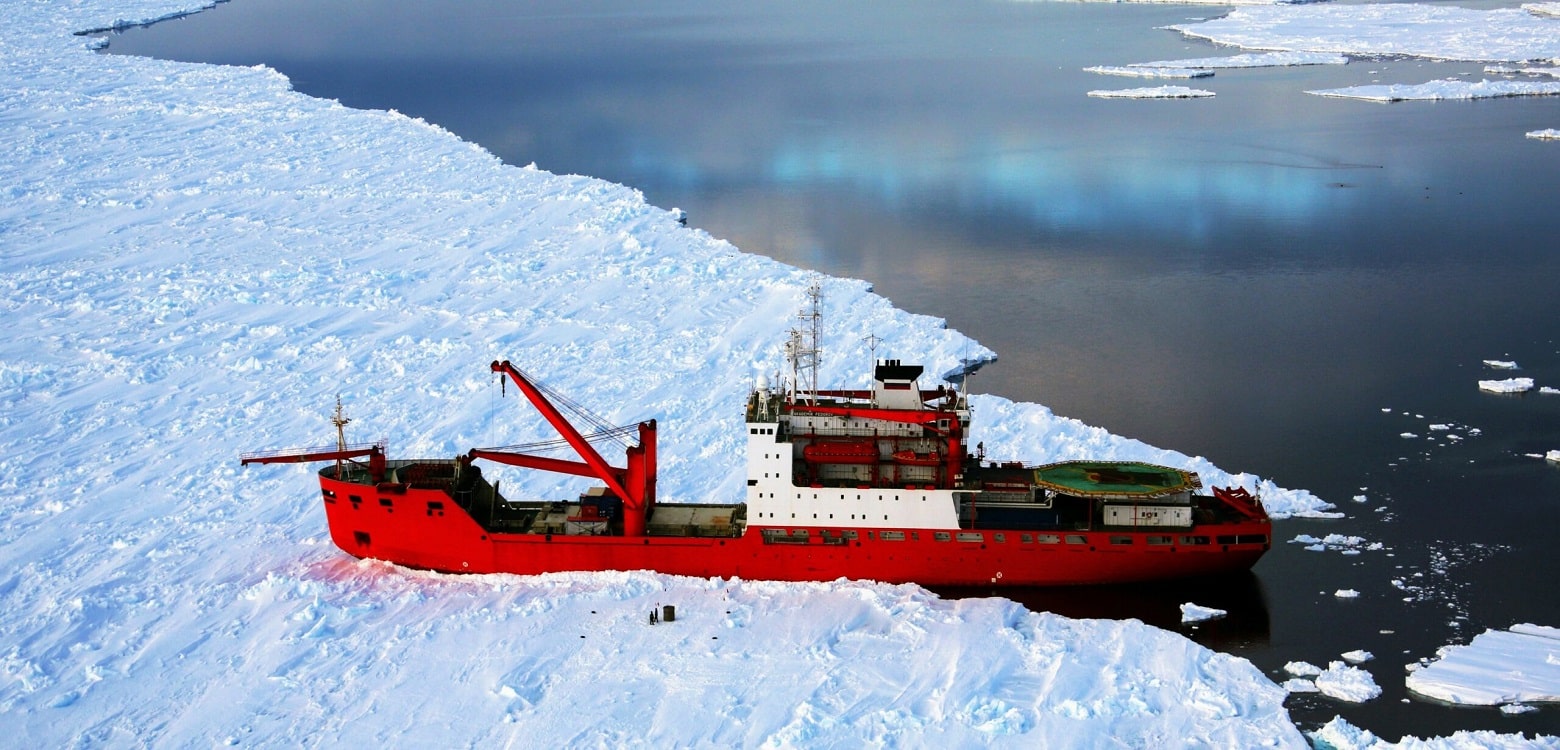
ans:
x=1500 y=364
x=1136 y=71
x=1386 y=29
x=1346 y=594
x=1509 y=385
x=1157 y=92
x=1347 y=683
x=1302 y=669
x=1252 y=60
x=1197 y=613
x=1447 y=89
x=1553 y=456
x=1497 y=667
x=1547 y=134
x=1359 y=656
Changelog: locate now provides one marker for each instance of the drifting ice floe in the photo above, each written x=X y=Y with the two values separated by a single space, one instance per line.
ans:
x=1500 y=364
x=1252 y=60
x=1448 y=89
x=1144 y=71
x=1373 y=30
x=1160 y=92
x=1509 y=385
x=1197 y=613
x=1499 y=666
x=1547 y=134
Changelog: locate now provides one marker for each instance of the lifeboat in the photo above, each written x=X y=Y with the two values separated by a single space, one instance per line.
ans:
x=911 y=458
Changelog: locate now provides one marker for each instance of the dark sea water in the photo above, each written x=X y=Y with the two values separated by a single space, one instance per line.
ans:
x=1254 y=278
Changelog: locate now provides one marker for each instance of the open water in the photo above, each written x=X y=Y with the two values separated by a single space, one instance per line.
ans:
x=1281 y=282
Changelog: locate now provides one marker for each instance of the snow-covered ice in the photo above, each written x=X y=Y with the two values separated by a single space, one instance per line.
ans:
x=1358 y=656
x=1386 y=29
x=1191 y=612
x=1252 y=60
x=1346 y=594
x=1508 y=385
x=1347 y=683
x=1547 y=134
x=1498 y=666
x=1553 y=456
x=1500 y=364
x=1339 y=734
x=1447 y=89
x=1143 y=71
x=1154 y=92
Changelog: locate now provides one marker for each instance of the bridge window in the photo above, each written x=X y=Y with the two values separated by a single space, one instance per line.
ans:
x=941 y=536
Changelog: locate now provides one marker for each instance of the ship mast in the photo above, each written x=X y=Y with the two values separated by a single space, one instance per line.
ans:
x=340 y=420
x=802 y=348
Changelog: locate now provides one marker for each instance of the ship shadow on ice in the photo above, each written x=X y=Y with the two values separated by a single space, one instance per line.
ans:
x=1241 y=595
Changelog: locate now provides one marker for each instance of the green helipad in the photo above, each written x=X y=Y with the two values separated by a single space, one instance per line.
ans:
x=1115 y=479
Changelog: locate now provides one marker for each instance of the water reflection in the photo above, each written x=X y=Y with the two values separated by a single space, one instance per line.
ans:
x=1159 y=604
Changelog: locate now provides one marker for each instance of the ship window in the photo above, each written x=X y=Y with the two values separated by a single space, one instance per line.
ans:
x=1048 y=538
x=1194 y=540
x=1076 y=539
x=1251 y=539
x=361 y=537
x=1159 y=540
x=971 y=536
x=435 y=507
x=355 y=499
x=999 y=538
x=1115 y=539
x=1226 y=539
x=799 y=533
x=941 y=536
x=891 y=536
x=915 y=536
x=852 y=534
x=754 y=482
x=1025 y=539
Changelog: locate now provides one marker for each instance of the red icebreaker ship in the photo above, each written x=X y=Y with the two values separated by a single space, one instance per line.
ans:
x=873 y=484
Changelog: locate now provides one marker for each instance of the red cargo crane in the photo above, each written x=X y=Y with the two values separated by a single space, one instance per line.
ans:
x=634 y=484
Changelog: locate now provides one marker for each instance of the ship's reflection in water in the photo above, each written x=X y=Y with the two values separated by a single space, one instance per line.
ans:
x=1158 y=604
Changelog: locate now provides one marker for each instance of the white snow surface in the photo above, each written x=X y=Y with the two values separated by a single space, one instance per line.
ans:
x=1444 y=90
x=1500 y=364
x=1252 y=60
x=1339 y=734
x=1498 y=666
x=1546 y=134
x=1387 y=29
x=1154 y=92
x=1143 y=71
x=1508 y=385
x=196 y=259
x=1347 y=683
x=1553 y=456
x=1191 y=612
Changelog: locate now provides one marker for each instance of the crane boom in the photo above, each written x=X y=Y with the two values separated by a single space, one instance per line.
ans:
x=634 y=485
x=374 y=451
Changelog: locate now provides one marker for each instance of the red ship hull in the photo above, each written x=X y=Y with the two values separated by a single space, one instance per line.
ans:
x=425 y=528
